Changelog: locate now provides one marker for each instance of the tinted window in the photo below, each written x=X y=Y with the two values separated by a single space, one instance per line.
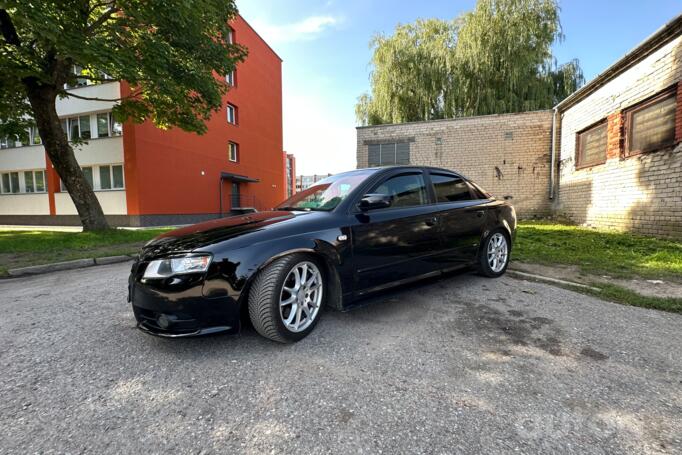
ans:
x=450 y=188
x=406 y=190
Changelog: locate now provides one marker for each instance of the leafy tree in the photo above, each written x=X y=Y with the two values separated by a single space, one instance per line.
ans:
x=494 y=59
x=169 y=53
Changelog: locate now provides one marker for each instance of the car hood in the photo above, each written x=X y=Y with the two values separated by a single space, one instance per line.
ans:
x=200 y=235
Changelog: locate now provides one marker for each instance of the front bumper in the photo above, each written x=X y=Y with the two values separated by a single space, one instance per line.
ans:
x=182 y=313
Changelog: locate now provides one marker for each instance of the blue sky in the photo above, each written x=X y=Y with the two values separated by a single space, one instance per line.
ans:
x=324 y=45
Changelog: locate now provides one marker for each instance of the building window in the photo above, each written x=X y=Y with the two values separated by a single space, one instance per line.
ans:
x=232 y=114
x=80 y=81
x=10 y=182
x=79 y=128
x=34 y=181
x=34 y=136
x=8 y=142
x=111 y=177
x=116 y=128
x=233 y=152
x=650 y=125
x=591 y=146
x=84 y=122
x=230 y=35
x=102 y=177
x=87 y=172
x=103 y=124
x=389 y=154
x=229 y=78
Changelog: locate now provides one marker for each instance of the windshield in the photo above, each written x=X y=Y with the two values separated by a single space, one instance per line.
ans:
x=326 y=194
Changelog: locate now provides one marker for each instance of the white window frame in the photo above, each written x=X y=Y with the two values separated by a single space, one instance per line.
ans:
x=32 y=135
x=21 y=187
x=114 y=128
x=233 y=152
x=11 y=185
x=77 y=119
x=34 y=172
x=96 y=130
x=111 y=177
x=4 y=143
x=229 y=78
x=232 y=119
x=96 y=181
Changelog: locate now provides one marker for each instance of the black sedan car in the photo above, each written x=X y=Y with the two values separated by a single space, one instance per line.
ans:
x=349 y=235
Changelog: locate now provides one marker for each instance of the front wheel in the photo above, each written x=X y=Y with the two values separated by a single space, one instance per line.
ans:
x=494 y=254
x=286 y=298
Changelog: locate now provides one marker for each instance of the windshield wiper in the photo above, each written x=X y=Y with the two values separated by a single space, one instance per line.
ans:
x=290 y=207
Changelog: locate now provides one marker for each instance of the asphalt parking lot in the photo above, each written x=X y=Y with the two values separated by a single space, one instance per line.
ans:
x=457 y=365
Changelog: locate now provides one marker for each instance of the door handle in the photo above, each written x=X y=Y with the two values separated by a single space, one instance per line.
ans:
x=479 y=213
x=431 y=221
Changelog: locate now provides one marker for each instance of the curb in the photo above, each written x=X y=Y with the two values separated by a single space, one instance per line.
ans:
x=547 y=279
x=66 y=265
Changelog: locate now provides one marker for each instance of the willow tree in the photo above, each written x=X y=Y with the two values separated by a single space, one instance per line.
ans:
x=494 y=59
x=168 y=52
x=410 y=80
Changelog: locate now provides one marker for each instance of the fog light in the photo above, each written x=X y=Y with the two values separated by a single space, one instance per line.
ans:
x=163 y=321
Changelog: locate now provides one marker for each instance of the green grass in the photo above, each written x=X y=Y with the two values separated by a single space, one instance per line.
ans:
x=595 y=251
x=599 y=252
x=618 y=294
x=23 y=248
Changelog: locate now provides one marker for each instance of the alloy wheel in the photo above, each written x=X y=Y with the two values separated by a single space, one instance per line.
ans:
x=301 y=296
x=498 y=252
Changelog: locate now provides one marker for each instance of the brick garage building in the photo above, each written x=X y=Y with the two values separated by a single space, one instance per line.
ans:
x=507 y=155
x=620 y=158
x=616 y=158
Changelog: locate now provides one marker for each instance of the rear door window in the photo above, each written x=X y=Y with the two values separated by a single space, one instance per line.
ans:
x=450 y=188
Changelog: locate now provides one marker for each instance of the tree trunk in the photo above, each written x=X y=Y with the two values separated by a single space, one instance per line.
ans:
x=42 y=99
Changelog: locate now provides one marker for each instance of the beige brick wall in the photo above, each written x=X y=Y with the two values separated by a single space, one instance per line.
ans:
x=508 y=155
x=641 y=193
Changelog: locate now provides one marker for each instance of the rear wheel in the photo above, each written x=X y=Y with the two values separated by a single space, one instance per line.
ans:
x=286 y=298
x=494 y=254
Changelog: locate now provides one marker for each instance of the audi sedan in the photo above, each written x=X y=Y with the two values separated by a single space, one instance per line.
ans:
x=347 y=236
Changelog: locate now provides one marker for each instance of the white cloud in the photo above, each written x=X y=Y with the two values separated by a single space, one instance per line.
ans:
x=305 y=29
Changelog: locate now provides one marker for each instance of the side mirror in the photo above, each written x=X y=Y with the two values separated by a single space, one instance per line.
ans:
x=375 y=201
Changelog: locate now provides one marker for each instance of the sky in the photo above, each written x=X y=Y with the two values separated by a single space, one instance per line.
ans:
x=325 y=50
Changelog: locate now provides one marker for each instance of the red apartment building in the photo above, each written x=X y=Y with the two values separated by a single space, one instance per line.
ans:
x=146 y=176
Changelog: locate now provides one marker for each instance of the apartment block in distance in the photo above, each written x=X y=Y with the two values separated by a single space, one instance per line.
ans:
x=306 y=181
x=145 y=176
x=290 y=174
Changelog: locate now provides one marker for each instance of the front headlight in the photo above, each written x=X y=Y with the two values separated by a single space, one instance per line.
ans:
x=163 y=268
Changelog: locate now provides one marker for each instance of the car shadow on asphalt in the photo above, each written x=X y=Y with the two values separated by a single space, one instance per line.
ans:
x=390 y=305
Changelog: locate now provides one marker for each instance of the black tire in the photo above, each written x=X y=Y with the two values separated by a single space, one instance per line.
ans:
x=264 y=299
x=483 y=266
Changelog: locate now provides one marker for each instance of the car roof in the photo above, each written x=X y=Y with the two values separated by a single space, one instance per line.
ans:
x=412 y=166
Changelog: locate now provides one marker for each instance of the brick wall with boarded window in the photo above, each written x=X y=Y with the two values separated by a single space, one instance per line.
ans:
x=639 y=192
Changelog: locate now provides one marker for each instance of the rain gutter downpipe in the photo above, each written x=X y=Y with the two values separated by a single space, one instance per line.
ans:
x=552 y=166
